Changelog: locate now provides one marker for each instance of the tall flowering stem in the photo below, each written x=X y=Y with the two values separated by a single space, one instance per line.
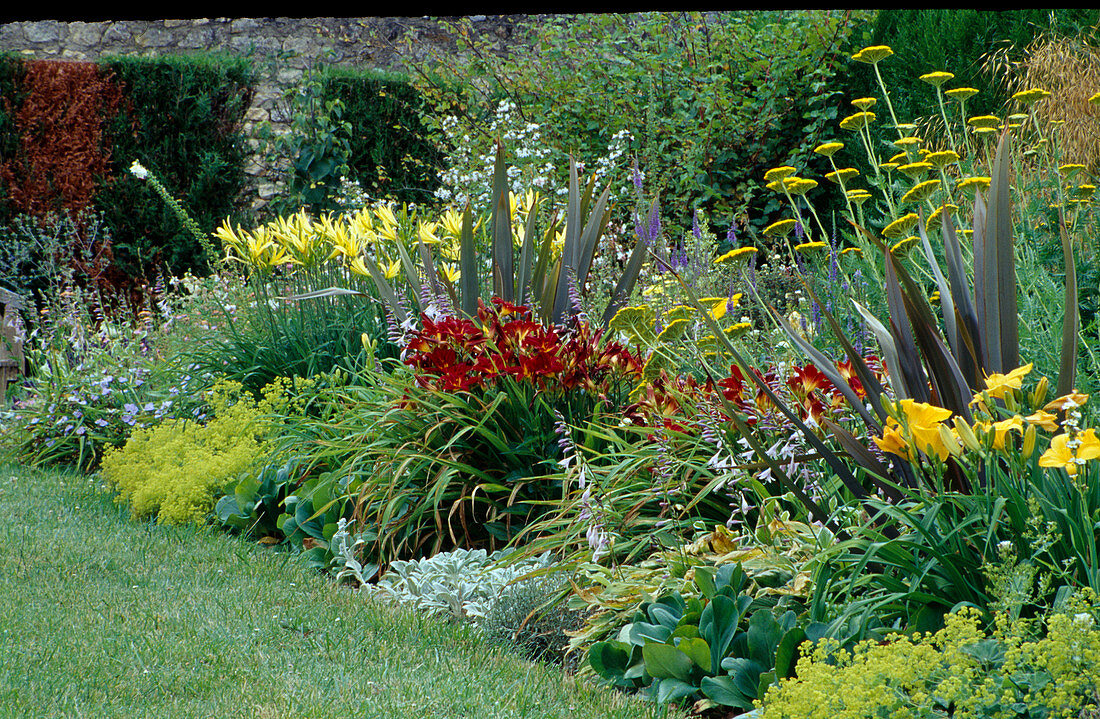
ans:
x=142 y=173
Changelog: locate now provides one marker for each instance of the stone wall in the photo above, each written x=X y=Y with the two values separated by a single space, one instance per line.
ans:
x=281 y=48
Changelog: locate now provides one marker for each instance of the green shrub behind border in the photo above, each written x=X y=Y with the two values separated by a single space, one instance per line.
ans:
x=182 y=121
x=391 y=153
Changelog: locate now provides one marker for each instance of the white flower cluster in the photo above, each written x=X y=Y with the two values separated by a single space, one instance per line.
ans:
x=470 y=166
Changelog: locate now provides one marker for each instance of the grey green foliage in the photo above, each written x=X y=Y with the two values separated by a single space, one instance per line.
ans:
x=530 y=617
x=464 y=584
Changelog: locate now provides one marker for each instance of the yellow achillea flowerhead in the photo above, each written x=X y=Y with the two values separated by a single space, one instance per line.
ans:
x=864 y=103
x=937 y=78
x=793 y=185
x=799 y=185
x=780 y=227
x=829 y=148
x=900 y=226
x=842 y=174
x=990 y=121
x=851 y=251
x=913 y=170
x=889 y=166
x=856 y=121
x=810 y=247
x=872 y=55
x=942 y=159
x=936 y=217
x=1095 y=99
x=1032 y=96
x=1071 y=168
x=740 y=253
x=921 y=191
x=961 y=93
x=858 y=196
x=1084 y=192
x=778 y=173
x=973 y=183
x=907 y=141
x=903 y=246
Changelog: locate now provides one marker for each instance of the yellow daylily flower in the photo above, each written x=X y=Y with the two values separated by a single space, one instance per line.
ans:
x=1044 y=419
x=997 y=385
x=1062 y=455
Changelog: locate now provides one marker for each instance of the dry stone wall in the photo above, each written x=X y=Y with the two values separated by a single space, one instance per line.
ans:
x=281 y=49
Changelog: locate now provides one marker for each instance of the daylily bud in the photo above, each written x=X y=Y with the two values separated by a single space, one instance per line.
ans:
x=1010 y=402
x=951 y=441
x=966 y=434
x=1039 y=394
x=1029 y=442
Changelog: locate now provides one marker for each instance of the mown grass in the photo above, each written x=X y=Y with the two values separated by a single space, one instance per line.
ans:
x=101 y=616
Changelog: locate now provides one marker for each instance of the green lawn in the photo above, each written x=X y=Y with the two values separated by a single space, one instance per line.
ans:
x=102 y=616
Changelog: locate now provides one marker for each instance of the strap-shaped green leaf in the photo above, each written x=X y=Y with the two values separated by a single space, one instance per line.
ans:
x=1003 y=262
x=468 y=265
x=1071 y=321
x=967 y=341
x=503 y=276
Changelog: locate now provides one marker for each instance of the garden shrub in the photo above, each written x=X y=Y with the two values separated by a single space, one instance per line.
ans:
x=182 y=119
x=711 y=100
x=176 y=470
x=391 y=152
x=64 y=152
